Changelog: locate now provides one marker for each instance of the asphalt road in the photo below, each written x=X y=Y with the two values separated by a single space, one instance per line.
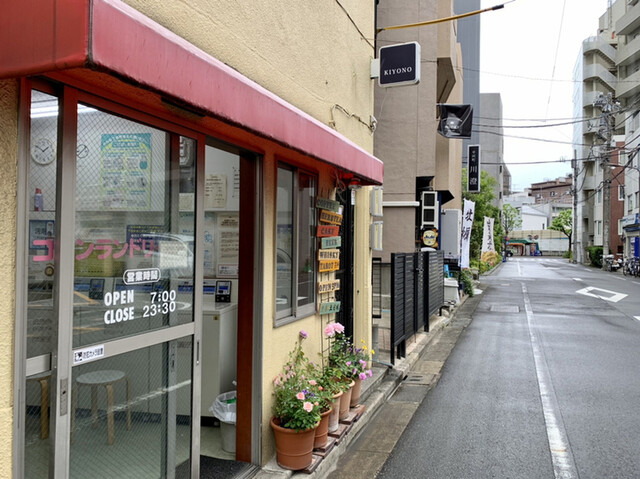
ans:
x=543 y=383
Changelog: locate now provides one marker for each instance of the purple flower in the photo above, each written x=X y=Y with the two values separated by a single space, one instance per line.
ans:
x=304 y=334
x=362 y=376
x=364 y=363
x=370 y=373
x=348 y=363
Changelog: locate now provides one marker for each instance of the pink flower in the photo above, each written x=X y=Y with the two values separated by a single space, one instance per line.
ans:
x=300 y=396
x=362 y=376
x=364 y=363
x=304 y=334
x=328 y=330
x=338 y=328
x=348 y=363
x=370 y=373
x=312 y=382
x=307 y=406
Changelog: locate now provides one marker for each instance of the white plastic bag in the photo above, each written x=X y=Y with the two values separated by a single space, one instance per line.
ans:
x=224 y=407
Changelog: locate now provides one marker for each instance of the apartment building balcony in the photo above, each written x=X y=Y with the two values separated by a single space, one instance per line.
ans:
x=589 y=183
x=598 y=45
x=589 y=97
x=629 y=86
x=628 y=53
x=599 y=72
x=449 y=54
x=630 y=21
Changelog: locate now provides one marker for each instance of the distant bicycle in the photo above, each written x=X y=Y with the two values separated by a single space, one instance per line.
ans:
x=610 y=263
x=631 y=266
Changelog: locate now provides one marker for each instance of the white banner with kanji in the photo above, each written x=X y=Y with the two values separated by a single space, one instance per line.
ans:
x=487 y=235
x=465 y=238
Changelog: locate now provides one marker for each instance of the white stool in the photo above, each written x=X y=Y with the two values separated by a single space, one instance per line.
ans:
x=106 y=378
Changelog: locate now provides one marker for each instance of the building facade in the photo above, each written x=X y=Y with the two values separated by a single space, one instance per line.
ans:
x=557 y=191
x=167 y=175
x=422 y=168
x=595 y=77
x=627 y=92
x=492 y=145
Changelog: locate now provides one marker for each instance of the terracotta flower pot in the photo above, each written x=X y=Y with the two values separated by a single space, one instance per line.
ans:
x=355 y=392
x=345 y=402
x=334 y=417
x=294 y=449
x=322 y=431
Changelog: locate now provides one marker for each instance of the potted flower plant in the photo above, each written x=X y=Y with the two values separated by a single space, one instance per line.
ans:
x=296 y=411
x=348 y=364
x=359 y=362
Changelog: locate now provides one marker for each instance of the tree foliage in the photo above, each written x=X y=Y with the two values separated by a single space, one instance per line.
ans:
x=511 y=219
x=563 y=223
x=483 y=207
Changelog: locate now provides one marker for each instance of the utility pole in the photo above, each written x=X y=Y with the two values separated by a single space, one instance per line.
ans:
x=609 y=106
x=574 y=228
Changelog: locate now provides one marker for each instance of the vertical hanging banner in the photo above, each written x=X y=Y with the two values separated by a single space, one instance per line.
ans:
x=473 y=169
x=465 y=238
x=487 y=235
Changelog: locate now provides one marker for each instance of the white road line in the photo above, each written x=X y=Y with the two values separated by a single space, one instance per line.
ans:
x=578 y=279
x=564 y=466
x=597 y=293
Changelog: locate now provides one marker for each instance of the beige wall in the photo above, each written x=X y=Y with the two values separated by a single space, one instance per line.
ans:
x=313 y=57
x=278 y=342
x=8 y=166
x=308 y=53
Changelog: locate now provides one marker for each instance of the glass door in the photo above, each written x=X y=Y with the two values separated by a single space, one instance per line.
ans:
x=122 y=362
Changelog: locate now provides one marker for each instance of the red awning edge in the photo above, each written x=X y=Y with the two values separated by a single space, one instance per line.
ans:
x=110 y=36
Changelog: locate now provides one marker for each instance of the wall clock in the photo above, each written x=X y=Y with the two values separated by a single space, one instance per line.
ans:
x=43 y=151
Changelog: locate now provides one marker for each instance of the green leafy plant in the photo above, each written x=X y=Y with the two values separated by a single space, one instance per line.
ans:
x=595 y=255
x=345 y=361
x=298 y=397
x=466 y=281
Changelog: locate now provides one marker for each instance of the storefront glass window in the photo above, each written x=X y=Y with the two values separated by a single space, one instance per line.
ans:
x=134 y=246
x=296 y=244
x=131 y=414
x=41 y=269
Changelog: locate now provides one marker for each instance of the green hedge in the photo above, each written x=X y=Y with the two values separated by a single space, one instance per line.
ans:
x=595 y=255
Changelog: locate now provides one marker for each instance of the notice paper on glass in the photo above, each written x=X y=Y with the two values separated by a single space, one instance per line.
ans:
x=215 y=191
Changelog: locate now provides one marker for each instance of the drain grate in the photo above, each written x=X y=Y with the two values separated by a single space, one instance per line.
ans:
x=504 y=308
x=420 y=379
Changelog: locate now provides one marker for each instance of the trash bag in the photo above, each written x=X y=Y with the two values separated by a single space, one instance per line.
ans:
x=224 y=407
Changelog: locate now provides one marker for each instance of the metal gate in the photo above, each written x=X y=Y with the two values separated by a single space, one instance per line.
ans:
x=417 y=292
x=435 y=294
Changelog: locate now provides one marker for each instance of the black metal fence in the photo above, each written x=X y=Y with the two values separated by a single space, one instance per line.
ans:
x=417 y=292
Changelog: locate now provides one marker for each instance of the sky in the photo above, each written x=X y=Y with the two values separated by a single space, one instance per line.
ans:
x=528 y=51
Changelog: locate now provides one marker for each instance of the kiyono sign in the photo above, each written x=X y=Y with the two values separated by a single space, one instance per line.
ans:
x=399 y=64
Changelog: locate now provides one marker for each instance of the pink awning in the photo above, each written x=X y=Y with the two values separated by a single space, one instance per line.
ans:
x=45 y=36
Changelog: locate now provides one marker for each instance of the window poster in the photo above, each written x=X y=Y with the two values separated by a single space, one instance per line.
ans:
x=215 y=191
x=209 y=242
x=228 y=244
x=125 y=171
